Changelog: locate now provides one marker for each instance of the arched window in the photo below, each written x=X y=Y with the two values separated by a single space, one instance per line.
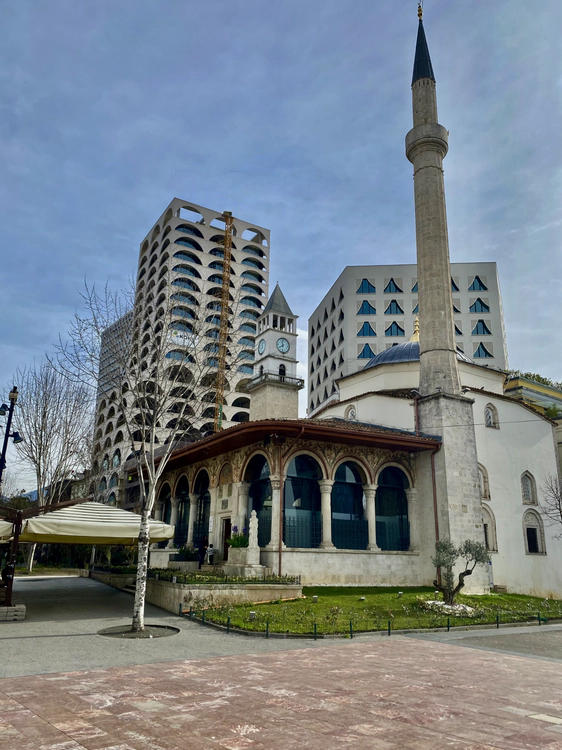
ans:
x=394 y=308
x=366 y=352
x=391 y=510
x=491 y=417
x=528 y=489
x=113 y=481
x=365 y=309
x=201 y=521
x=392 y=288
x=182 y=523
x=257 y=475
x=240 y=416
x=103 y=484
x=394 y=330
x=282 y=372
x=111 y=499
x=533 y=533
x=365 y=287
x=302 y=518
x=105 y=462
x=187 y=229
x=489 y=523
x=349 y=524
x=484 y=483
x=366 y=330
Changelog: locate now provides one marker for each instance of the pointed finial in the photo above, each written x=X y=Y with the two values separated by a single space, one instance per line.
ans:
x=420 y=11
x=416 y=335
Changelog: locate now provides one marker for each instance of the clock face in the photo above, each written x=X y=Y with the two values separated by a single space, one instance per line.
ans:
x=283 y=345
x=261 y=347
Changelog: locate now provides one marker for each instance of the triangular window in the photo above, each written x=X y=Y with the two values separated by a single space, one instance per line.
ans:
x=341 y=338
x=394 y=309
x=415 y=311
x=341 y=296
x=312 y=331
x=365 y=287
x=312 y=349
x=341 y=359
x=482 y=352
x=318 y=381
x=325 y=394
x=333 y=307
x=325 y=335
x=325 y=357
x=394 y=330
x=392 y=288
x=366 y=309
x=366 y=353
x=333 y=349
x=312 y=368
x=318 y=361
x=366 y=330
x=458 y=331
x=455 y=308
x=341 y=316
x=333 y=328
x=479 y=306
x=325 y=315
x=477 y=285
x=454 y=286
x=415 y=288
x=481 y=329
x=332 y=367
x=334 y=389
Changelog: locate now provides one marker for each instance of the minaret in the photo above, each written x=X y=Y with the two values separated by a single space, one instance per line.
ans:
x=426 y=146
x=443 y=409
x=275 y=384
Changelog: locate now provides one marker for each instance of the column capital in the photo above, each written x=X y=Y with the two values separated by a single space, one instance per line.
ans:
x=275 y=484
x=193 y=498
x=325 y=485
x=175 y=501
x=370 y=490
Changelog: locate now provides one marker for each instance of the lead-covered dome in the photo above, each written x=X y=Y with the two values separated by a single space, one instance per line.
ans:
x=407 y=352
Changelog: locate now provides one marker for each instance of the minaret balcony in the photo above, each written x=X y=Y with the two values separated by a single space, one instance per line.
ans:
x=427 y=137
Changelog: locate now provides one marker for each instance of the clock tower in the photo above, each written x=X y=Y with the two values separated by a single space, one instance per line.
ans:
x=275 y=384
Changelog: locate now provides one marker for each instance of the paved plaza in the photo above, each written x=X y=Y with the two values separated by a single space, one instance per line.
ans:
x=204 y=689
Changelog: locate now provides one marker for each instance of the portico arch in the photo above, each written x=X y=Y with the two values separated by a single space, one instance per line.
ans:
x=181 y=493
x=201 y=490
x=348 y=505
x=302 y=517
x=391 y=509
x=257 y=476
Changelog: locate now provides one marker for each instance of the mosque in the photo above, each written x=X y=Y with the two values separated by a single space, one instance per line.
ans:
x=420 y=445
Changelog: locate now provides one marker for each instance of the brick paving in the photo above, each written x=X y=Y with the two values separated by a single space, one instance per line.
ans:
x=398 y=693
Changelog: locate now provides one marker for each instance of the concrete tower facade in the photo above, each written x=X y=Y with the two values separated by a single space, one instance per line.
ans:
x=443 y=410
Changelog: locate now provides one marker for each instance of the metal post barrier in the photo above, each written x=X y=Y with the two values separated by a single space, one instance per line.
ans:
x=203 y=616
x=180 y=612
x=314 y=631
x=351 y=629
x=191 y=613
x=267 y=629
x=539 y=617
x=448 y=624
x=389 y=627
x=228 y=625
x=497 y=622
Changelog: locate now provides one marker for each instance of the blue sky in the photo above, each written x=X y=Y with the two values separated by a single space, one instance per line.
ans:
x=293 y=116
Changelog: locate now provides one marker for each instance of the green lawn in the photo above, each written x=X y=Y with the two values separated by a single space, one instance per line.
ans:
x=337 y=607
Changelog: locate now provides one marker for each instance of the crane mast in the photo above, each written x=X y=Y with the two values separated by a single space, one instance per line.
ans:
x=224 y=316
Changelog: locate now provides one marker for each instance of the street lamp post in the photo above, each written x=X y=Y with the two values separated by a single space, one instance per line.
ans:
x=11 y=565
x=13 y=397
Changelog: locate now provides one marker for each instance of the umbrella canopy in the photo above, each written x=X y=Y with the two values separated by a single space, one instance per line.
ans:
x=6 y=529
x=91 y=523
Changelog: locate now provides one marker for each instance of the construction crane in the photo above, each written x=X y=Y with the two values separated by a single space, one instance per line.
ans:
x=225 y=313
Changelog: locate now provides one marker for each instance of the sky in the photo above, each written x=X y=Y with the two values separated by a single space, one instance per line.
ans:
x=292 y=115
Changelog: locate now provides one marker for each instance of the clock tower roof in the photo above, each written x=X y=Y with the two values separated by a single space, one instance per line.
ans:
x=277 y=303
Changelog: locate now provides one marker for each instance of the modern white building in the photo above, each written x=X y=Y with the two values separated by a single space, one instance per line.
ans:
x=370 y=308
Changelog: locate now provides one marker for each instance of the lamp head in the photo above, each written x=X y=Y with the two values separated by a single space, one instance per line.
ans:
x=3 y=409
x=13 y=395
x=17 y=438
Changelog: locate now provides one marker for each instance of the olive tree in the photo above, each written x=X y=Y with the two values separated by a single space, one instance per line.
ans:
x=447 y=555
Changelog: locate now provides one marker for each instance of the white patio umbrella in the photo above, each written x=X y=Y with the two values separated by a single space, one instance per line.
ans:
x=6 y=529
x=90 y=523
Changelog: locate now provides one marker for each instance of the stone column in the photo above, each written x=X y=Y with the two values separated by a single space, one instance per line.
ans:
x=158 y=512
x=325 y=486
x=370 y=494
x=243 y=503
x=275 y=512
x=413 y=518
x=193 y=500
x=174 y=502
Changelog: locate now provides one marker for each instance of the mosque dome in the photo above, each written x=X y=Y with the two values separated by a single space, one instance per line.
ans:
x=407 y=352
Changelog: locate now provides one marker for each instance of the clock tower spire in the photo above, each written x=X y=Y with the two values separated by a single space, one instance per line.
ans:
x=275 y=384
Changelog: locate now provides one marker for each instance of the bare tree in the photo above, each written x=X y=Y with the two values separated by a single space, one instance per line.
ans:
x=155 y=362
x=55 y=417
x=551 y=505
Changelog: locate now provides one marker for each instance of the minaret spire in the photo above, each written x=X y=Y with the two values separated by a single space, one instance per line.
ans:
x=426 y=146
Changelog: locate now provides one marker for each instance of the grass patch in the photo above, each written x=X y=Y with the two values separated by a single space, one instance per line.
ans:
x=337 y=607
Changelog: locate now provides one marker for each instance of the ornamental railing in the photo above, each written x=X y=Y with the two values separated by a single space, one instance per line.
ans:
x=275 y=377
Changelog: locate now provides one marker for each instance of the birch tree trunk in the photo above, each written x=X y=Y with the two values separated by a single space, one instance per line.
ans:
x=31 y=556
x=142 y=569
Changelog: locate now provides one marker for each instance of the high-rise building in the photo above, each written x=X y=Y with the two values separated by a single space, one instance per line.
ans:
x=179 y=285
x=372 y=308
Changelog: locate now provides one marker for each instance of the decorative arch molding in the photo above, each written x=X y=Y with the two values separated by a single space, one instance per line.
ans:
x=245 y=462
x=490 y=535
x=361 y=463
x=396 y=464
x=177 y=479
x=311 y=452
x=484 y=482
x=533 y=533
x=491 y=418
x=528 y=489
